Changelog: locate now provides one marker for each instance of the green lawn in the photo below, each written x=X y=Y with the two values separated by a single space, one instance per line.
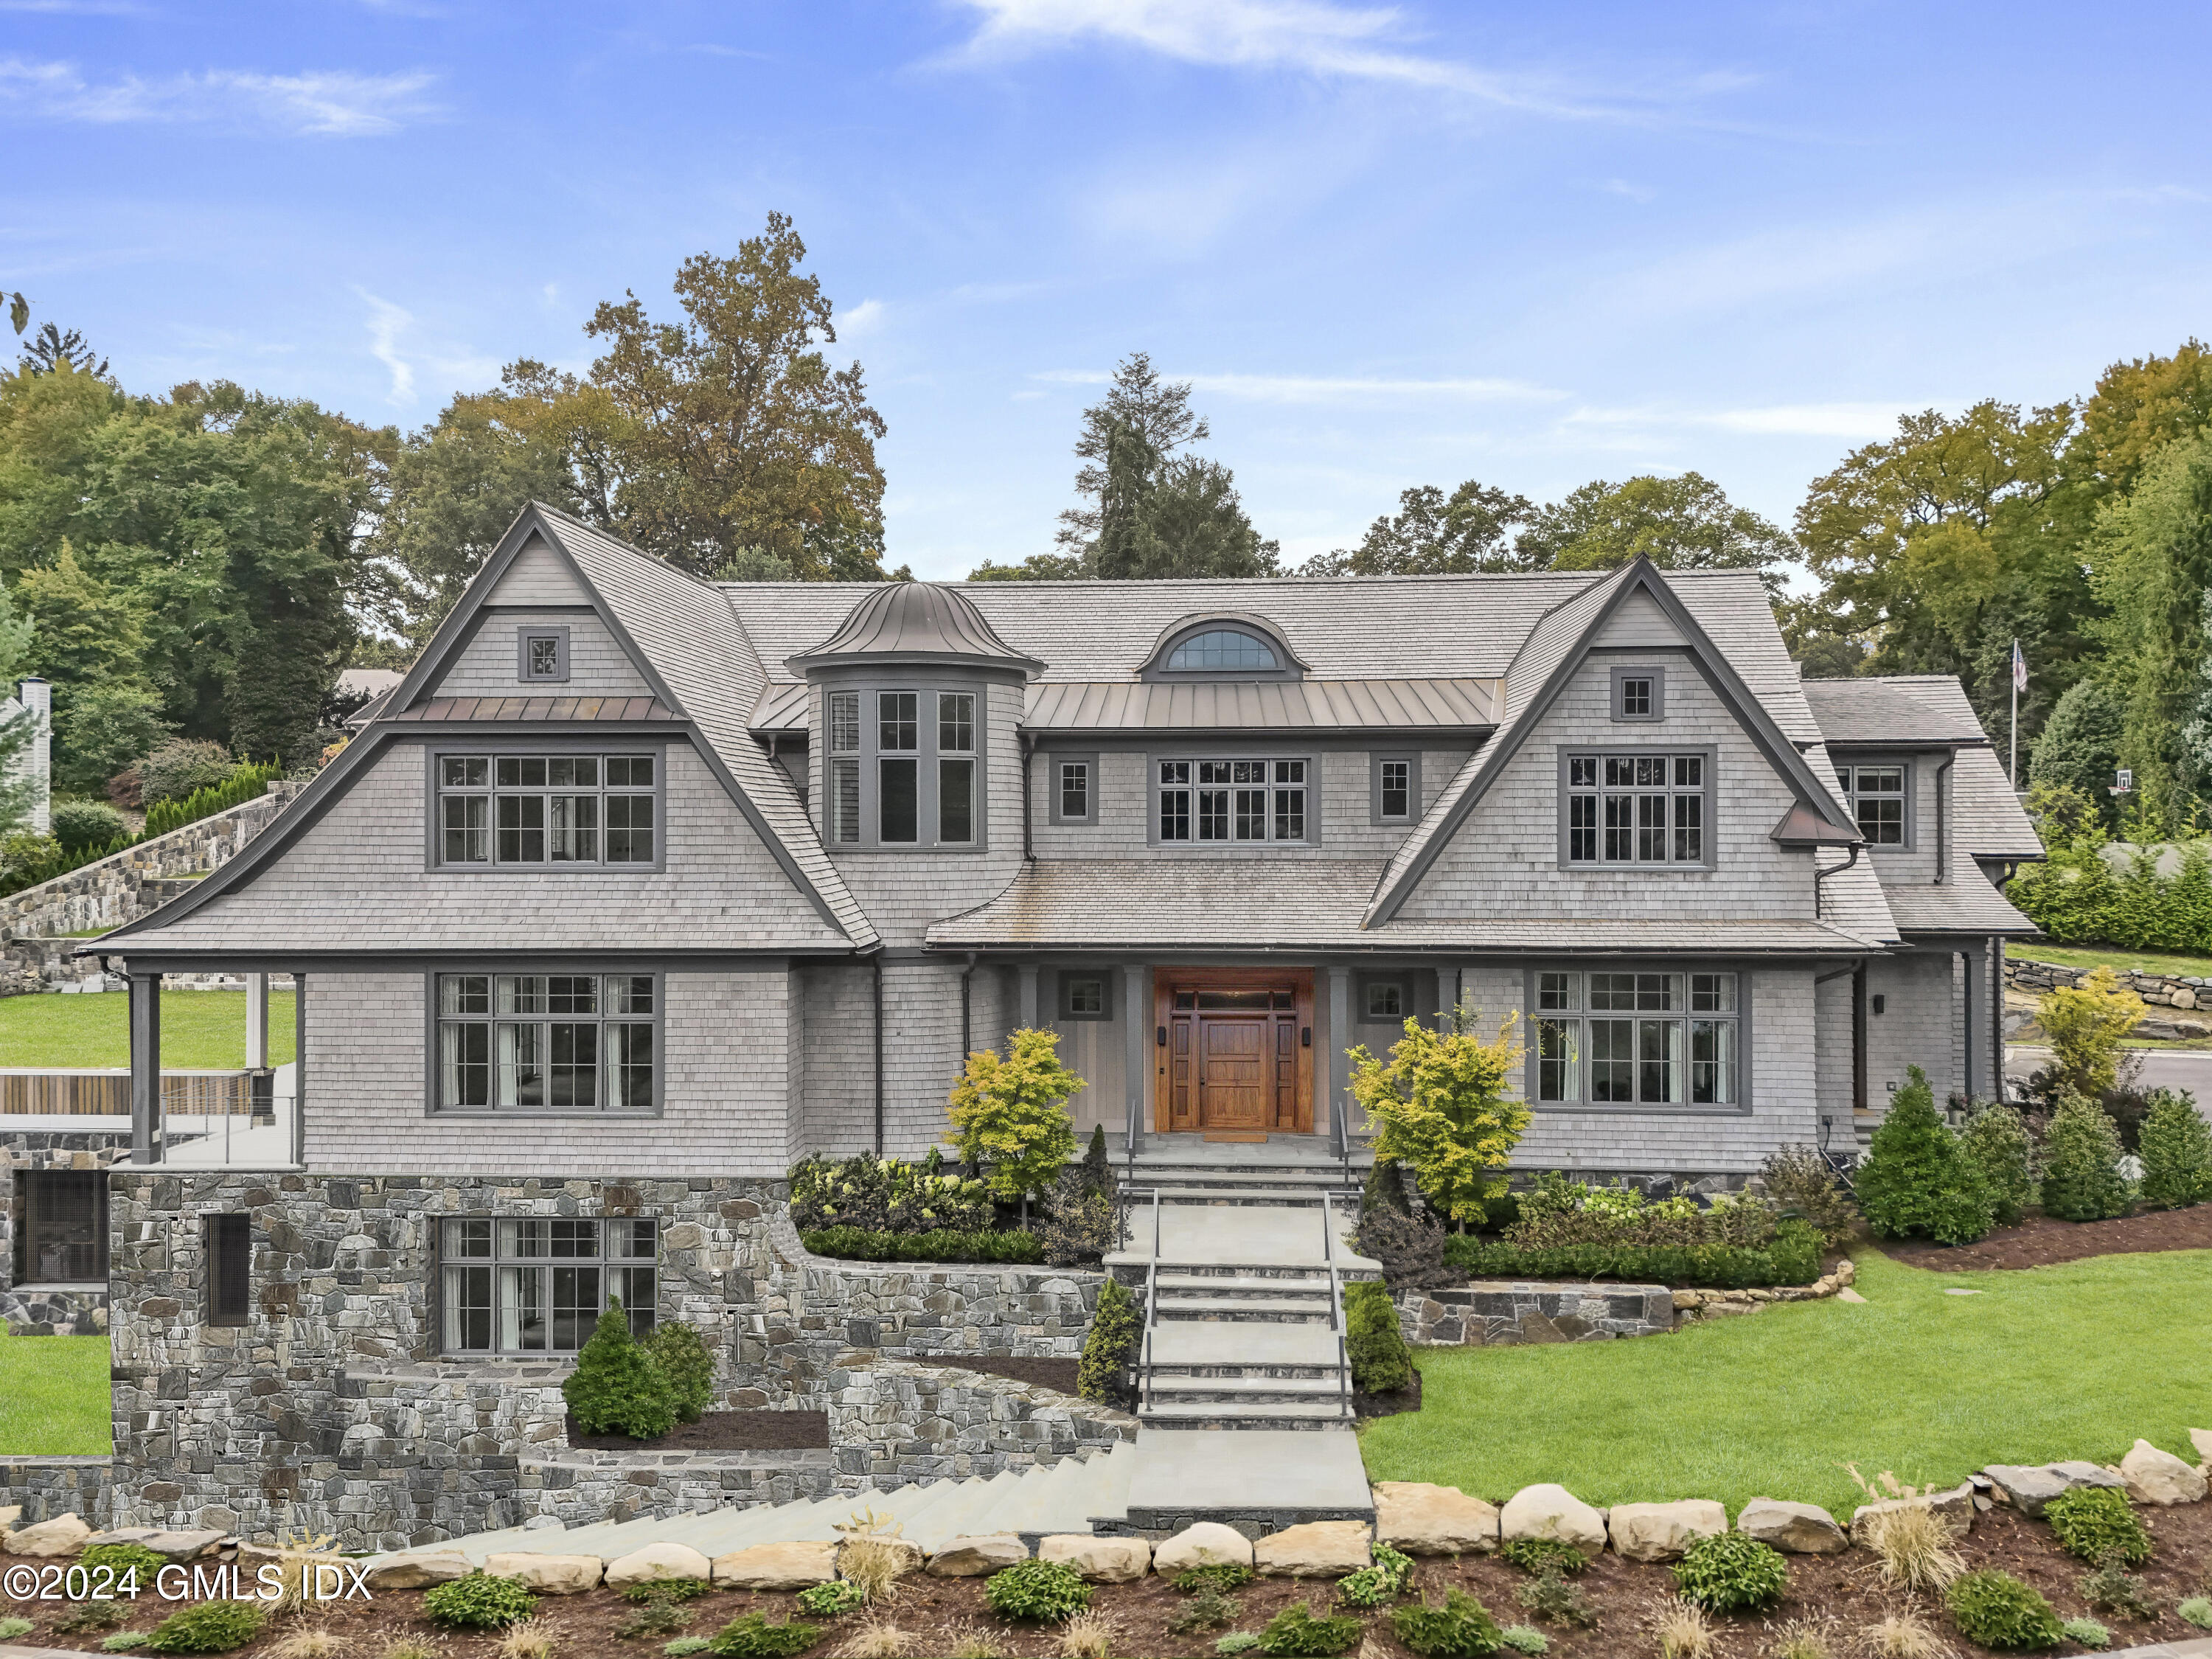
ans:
x=53 y=1395
x=199 y=1028
x=2051 y=1362
x=2148 y=962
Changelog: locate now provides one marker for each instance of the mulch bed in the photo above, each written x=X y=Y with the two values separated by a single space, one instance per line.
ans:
x=1843 y=1591
x=1058 y=1374
x=2042 y=1241
x=721 y=1432
x=1407 y=1399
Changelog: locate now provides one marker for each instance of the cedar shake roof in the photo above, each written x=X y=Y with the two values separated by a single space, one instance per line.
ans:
x=1885 y=713
x=1965 y=902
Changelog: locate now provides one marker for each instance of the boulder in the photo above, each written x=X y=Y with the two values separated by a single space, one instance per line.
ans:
x=1793 y=1529
x=549 y=1574
x=2028 y=1486
x=651 y=1562
x=777 y=1566
x=1664 y=1532
x=1206 y=1543
x=399 y=1572
x=2200 y=1438
x=1549 y=1511
x=121 y=1535
x=9 y=1515
x=1318 y=1549
x=973 y=1558
x=2160 y=1477
x=1101 y=1561
x=1422 y=1519
x=1956 y=1506
x=182 y=1547
x=62 y=1535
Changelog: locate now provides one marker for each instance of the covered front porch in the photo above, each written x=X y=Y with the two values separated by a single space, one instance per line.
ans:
x=257 y=1125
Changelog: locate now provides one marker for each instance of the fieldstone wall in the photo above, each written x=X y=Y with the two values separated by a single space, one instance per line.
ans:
x=579 y=1488
x=49 y=1149
x=2160 y=990
x=47 y=1486
x=892 y=1423
x=60 y=1310
x=1499 y=1313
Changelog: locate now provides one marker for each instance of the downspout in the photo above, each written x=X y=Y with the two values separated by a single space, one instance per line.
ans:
x=967 y=1031
x=877 y=962
x=1943 y=817
x=1029 y=746
x=1820 y=875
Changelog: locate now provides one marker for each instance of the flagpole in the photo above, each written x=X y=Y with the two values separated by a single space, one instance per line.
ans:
x=2014 y=766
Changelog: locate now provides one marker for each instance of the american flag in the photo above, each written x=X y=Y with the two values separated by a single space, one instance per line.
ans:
x=2019 y=668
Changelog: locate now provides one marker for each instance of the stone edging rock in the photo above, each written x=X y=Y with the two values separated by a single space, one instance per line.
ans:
x=1509 y=1313
x=1691 y=1305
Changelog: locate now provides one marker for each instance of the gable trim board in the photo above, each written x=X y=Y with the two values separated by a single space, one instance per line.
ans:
x=534 y=524
x=1430 y=840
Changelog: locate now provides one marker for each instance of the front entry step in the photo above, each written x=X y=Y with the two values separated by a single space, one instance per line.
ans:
x=1259 y=1481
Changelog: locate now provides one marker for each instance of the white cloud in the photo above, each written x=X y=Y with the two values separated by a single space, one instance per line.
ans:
x=336 y=103
x=863 y=318
x=1331 y=389
x=1633 y=193
x=1832 y=420
x=386 y=323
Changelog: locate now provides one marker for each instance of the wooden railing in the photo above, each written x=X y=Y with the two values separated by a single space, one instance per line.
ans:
x=106 y=1092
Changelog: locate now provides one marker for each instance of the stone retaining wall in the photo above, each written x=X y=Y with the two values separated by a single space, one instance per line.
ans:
x=2024 y=973
x=55 y=1311
x=47 y=1486
x=579 y=1488
x=1503 y=1313
x=49 y=1149
x=892 y=1423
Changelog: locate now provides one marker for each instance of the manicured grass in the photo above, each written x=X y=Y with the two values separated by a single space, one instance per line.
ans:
x=2147 y=962
x=2046 y=1364
x=53 y=1395
x=199 y=1028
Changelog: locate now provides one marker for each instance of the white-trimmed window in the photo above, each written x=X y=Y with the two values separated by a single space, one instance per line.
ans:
x=1231 y=800
x=1877 y=799
x=538 y=1283
x=547 y=810
x=1638 y=808
x=547 y=1043
x=1637 y=1039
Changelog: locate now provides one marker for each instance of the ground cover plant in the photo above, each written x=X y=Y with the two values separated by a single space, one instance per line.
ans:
x=2099 y=1524
x=1995 y=1609
x=1459 y=1627
x=1042 y=1592
x=2058 y=1364
x=200 y=1030
x=1731 y=1573
x=54 y=1396
x=479 y=1601
x=1566 y=1229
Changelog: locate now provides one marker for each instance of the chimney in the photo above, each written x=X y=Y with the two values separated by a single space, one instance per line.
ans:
x=38 y=697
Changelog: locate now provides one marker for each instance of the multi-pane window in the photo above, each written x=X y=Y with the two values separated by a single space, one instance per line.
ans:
x=1637 y=1039
x=898 y=766
x=1877 y=798
x=845 y=766
x=955 y=766
x=1232 y=800
x=565 y=1042
x=61 y=1227
x=1636 y=809
x=1394 y=789
x=1075 y=789
x=1083 y=996
x=1385 y=999
x=547 y=809
x=1222 y=650
x=537 y=1285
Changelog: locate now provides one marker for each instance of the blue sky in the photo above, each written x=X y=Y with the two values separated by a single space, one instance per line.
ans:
x=1392 y=245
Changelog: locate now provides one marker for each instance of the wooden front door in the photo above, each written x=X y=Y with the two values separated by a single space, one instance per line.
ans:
x=1235 y=1050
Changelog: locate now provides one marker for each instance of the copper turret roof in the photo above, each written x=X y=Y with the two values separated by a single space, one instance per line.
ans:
x=913 y=622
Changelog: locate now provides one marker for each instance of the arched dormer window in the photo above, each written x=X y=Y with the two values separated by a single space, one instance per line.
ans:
x=1223 y=647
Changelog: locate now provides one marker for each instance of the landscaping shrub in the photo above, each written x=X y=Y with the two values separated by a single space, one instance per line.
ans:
x=12 y=1628
x=1538 y=1556
x=2087 y=1633
x=1552 y=1598
x=1369 y=1587
x=654 y=1618
x=1295 y=1634
x=77 y=825
x=1998 y=1611
x=753 y=1637
x=681 y=1648
x=2195 y=1610
x=1792 y=1258
x=1917 y=1180
x=1441 y=1106
x=887 y=1195
x=1915 y=1547
x=83 y=1619
x=829 y=1601
x=1396 y=1563
x=2082 y=1153
x=1384 y=1189
x=1237 y=1641
x=479 y=1601
x=2099 y=1524
x=1380 y=1362
x=1525 y=1639
x=1411 y=1251
x=180 y=766
x=1681 y=1628
x=673 y=1349
x=668 y=1589
x=1460 y=1629
x=851 y=1244
x=1731 y=1573
x=2113 y=1588
x=1996 y=1142
x=1800 y=1180
x=1043 y=1592
x=2176 y=1148
x=1217 y=1575
x=2085 y=1023
x=1099 y=1165
x=1208 y=1610
x=1009 y=1114
x=208 y=1627
x=616 y=1388
x=123 y=1558
x=1082 y=1221
x=1111 y=1345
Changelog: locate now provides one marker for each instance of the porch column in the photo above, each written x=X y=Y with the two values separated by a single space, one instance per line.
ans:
x=1340 y=1062
x=1968 y=964
x=145 y=1065
x=298 y=1068
x=1137 y=1055
x=1026 y=973
x=257 y=1022
x=1447 y=996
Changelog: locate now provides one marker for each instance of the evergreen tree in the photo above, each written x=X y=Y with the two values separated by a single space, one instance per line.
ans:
x=1997 y=1142
x=616 y=1388
x=2080 y=746
x=1917 y=1180
x=2082 y=1153
x=2176 y=1148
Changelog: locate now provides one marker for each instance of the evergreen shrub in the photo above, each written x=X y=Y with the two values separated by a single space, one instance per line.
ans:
x=674 y=1349
x=616 y=1388
x=1461 y=1628
x=2082 y=1153
x=479 y=1601
x=2098 y=1524
x=754 y=1638
x=1297 y=1633
x=1110 y=1347
x=1996 y=1610
x=1996 y=1142
x=1380 y=1362
x=78 y=824
x=2176 y=1148
x=1042 y=1592
x=1917 y=1180
x=208 y=1627
x=1730 y=1572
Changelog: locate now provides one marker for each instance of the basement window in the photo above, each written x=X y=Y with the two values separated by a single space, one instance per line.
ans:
x=62 y=1235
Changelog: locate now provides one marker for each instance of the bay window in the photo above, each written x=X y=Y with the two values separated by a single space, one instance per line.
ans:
x=904 y=769
x=1637 y=1039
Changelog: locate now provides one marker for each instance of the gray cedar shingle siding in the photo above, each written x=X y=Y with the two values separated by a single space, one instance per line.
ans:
x=1920 y=1024
x=838 y=1117
x=537 y=577
x=485 y=667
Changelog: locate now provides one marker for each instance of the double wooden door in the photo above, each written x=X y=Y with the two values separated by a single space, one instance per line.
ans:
x=1234 y=1050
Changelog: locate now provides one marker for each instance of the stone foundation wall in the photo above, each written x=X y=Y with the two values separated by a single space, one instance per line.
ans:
x=578 y=1487
x=56 y=1310
x=892 y=1423
x=44 y=1488
x=24 y=1149
x=1499 y=1313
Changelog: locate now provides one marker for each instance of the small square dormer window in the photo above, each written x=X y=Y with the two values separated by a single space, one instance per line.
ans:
x=544 y=655
x=1638 y=693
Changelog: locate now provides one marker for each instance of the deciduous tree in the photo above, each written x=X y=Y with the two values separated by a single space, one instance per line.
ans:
x=1684 y=523
x=1433 y=534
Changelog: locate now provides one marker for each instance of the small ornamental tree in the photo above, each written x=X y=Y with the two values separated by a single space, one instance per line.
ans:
x=1111 y=1345
x=2085 y=1024
x=1917 y=1179
x=616 y=1388
x=1441 y=1109
x=1009 y=1113
x=2082 y=1153
x=2176 y=1147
